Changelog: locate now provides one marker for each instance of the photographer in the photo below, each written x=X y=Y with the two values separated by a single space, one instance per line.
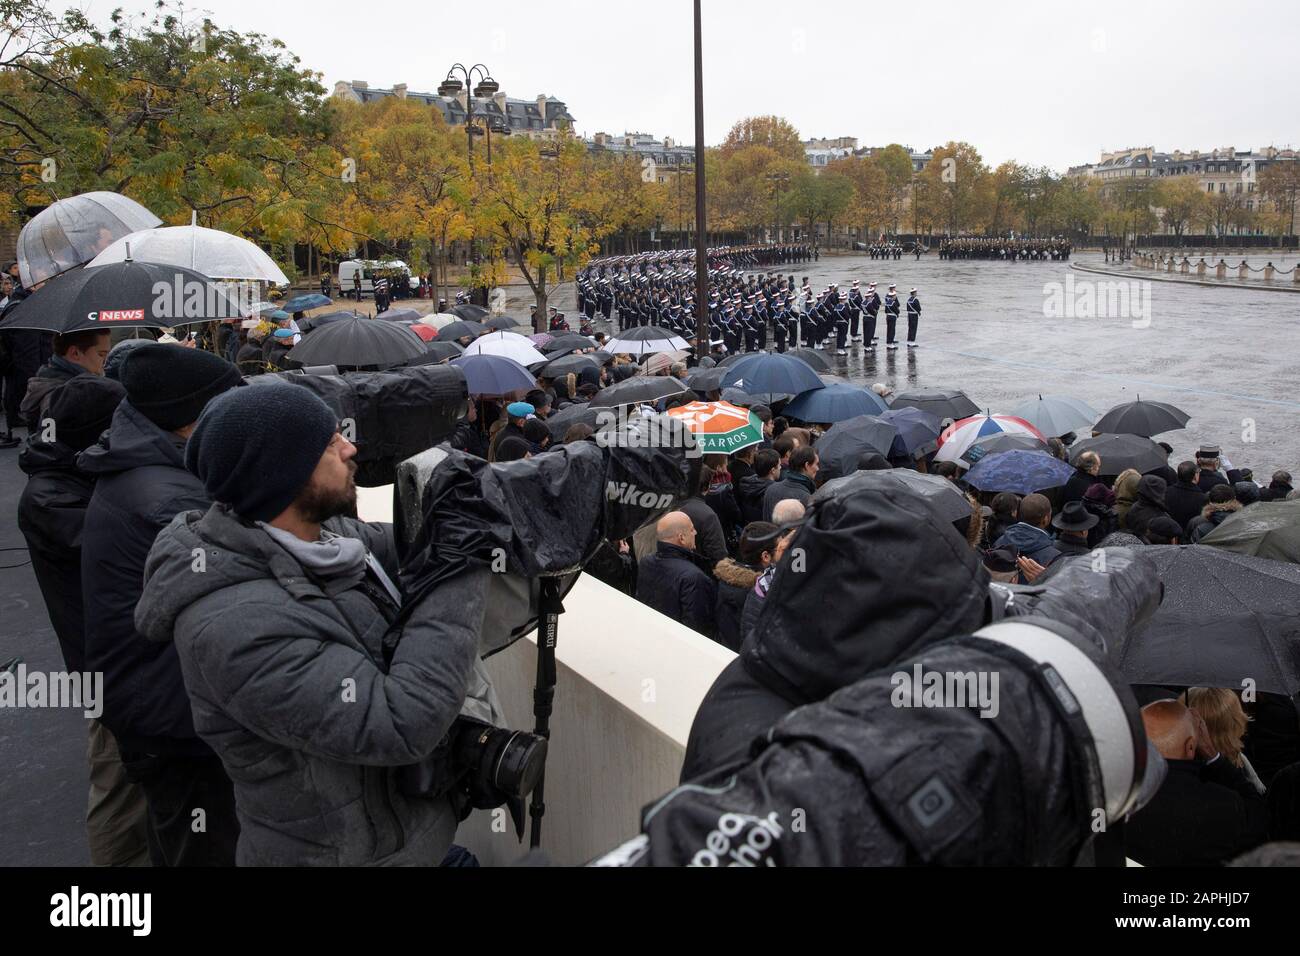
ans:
x=282 y=611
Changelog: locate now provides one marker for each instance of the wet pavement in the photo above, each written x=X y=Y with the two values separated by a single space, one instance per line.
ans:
x=1226 y=356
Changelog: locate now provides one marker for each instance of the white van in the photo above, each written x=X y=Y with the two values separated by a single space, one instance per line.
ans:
x=365 y=267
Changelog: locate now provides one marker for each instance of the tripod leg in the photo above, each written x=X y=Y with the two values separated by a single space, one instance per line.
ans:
x=550 y=608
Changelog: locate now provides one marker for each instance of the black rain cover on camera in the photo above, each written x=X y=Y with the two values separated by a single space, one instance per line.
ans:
x=395 y=414
x=857 y=780
x=875 y=573
x=543 y=515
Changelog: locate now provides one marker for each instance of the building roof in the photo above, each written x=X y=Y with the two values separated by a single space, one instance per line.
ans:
x=517 y=113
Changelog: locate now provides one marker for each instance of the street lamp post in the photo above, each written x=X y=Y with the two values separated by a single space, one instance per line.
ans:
x=701 y=246
x=451 y=86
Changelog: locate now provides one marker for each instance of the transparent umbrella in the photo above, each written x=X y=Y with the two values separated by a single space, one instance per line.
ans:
x=216 y=254
x=72 y=231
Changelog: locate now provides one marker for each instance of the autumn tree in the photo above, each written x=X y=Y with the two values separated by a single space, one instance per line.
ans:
x=772 y=132
x=1279 y=183
x=1181 y=201
x=954 y=186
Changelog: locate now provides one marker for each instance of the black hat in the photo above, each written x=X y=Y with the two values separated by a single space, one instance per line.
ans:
x=82 y=408
x=170 y=384
x=1074 y=517
x=1163 y=526
x=255 y=448
x=1002 y=560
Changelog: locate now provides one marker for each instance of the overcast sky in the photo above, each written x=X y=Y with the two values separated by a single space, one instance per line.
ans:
x=1040 y=82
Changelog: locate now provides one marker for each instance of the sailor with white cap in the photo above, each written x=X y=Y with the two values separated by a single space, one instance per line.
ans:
x=870 y=306
x=891 y=317
x=913 y=317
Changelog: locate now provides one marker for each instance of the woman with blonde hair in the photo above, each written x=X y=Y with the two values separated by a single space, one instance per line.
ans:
x=1227 y=723
x=1126 y=489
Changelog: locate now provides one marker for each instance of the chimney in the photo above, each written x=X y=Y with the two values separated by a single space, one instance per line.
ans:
x=668 y=142
x=360 y=85
x=600 y=139
x=399 y=90
x=499 y=98
x=541 y=106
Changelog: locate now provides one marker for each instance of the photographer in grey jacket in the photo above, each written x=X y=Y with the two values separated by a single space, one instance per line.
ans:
x=283 y=613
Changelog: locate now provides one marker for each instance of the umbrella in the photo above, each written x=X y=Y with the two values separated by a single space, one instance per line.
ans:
x=567 y=342
x=72 y=231
x=941 y=493
x=1141 y=418
x=310 y=300
x=425 y=333
x=772 y=372
x=1122 y=452
x=812 y=357
x=259 y=307
x=1268 y=529
x=835 y=403
x=661 y=361
x=493 y=374
x=917 y=430
x=841 y=447
x=358 y=342
x=401 y=315
x=720 y=428
x=509 y=344
x=639 y=388
x=1003 y=441
x=570 y=415
x=325 y=318
x=735 y=357
x=468 y=311
x=541 y=339
x=705 y=379
x=1224 y=617
x=122 y=296
x=958 y=437
x=558 y=368
x=439 y=320
x=437 y=353
x=502 y=322
x=1023 y=472
x=461 y=328
x=645 y=339
x=738 y=396
x=1056 y=415
x=940 y=402
x=216 y=254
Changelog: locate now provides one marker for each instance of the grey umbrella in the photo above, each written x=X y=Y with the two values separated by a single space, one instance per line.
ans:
x=941 y=492
x=73 y=231
x=940 y=402
x=639 y=388
x=1122 y=452
x=557 y=368
x=1056 y=415
x=359 y=343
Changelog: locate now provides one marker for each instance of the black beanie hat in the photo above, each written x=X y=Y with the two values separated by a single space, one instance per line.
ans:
x=83 y=408
x=255 y=448
x=170 y=384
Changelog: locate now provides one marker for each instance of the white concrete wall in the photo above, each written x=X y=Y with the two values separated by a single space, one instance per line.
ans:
x=629 y=682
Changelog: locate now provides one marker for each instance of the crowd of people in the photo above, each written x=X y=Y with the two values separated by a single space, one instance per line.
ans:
x=1006 y=250
x=162 y=458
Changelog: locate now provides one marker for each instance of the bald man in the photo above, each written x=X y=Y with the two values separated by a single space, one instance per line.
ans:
x=673 y=581
x=1206 y=812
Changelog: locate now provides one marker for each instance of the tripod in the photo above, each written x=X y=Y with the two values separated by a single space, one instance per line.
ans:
x=550 y=607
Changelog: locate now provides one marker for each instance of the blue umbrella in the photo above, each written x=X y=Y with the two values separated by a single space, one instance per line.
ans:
x=301 y=303
x=917 y=430
x=1023 y=472
x=494 y=374
x=835 y=403
x=772 y=372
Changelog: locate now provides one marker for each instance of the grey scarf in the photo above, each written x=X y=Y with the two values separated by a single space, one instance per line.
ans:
x=339 y=560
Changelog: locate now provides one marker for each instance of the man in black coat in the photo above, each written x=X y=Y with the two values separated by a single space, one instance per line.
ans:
x=1150 y=504
x=1278 y=488
x=75 y=354
x=797 y=483
x=1207 y=461
x=1184 y=499
x=141 y=484
x=1072 y=526
x=1206 y=812
x=24 y=351
x=51 y=514
x=671 y=579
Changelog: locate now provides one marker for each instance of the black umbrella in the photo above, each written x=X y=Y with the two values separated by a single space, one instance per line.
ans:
x=1005 y=441
x=1122 y=452
x=946 y=497
x=1225 y=617
x=570 y=415
x=738 y=396
x=918 y=431
x=123 y=295
x=455 y=330
x=639 y=388
x=567 y=342
x=467 y=311
x=501 y=323
x=732 y=359
x=939 y=402
x=812 y=357
x=557 y=368
x=400 y=315
x=847 y=441
x=706 y=379
x=318 y=320
x=1141 y=418
x=357 y=343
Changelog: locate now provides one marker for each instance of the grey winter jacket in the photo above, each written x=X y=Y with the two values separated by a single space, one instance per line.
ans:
x=289 y=686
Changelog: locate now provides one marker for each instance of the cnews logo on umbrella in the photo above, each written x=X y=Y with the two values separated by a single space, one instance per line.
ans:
x=116 y=315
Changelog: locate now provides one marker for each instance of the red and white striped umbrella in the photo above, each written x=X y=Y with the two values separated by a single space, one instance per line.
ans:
x=958 y=437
